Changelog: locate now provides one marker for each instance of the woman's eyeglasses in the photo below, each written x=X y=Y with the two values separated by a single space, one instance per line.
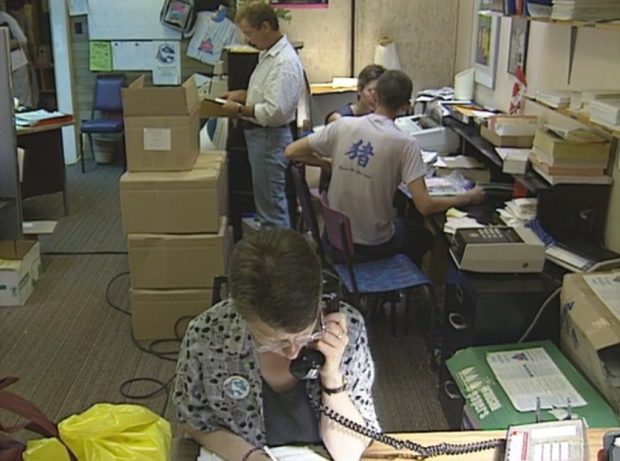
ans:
x=275 y=346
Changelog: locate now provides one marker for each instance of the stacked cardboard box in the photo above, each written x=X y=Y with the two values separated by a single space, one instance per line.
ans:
x=174 y=206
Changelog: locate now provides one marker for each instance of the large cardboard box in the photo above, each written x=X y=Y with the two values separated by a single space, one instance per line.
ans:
x=164 y=314
x=590 y=334
x=161 y=126
x=178 y=261
x=20 y=268
x=190 y=202
x=487 y=405
x=505 y=141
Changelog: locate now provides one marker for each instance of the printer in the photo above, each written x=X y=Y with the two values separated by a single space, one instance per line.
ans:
x=499 y=249
x=431 y=135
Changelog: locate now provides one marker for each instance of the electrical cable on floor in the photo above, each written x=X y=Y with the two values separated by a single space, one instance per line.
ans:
x=539 y=314
x=170 y=356
x=107 y=294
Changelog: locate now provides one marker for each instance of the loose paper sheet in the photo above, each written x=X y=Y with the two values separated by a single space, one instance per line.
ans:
x=100 y=56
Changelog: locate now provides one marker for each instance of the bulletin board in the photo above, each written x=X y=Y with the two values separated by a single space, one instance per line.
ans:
x=127 y=20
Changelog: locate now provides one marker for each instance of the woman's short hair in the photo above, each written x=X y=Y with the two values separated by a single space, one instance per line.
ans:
x=275 y=277
x=256 y=13
x=368 y=74
x=394 y=89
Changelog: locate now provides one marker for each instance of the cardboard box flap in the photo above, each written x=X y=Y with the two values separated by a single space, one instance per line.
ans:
x=204 y=178
x=177 y=240
x=139 y=99
x=598 y=324
x=15 y=250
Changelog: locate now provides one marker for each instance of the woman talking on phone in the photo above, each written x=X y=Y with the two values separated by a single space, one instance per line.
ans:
x=235 y=392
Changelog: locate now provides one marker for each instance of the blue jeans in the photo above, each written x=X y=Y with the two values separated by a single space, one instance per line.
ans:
x=268 y=164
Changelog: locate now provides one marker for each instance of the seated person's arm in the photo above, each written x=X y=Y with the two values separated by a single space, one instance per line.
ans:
x=427 y=205
x=358 y=368
x=332 y=117
x=301 y=151
x=225 y=444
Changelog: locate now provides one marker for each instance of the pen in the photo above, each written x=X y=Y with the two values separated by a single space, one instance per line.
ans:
x=269 y=453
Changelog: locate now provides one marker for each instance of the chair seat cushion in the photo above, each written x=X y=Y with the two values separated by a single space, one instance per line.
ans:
x=394 y=273
x=102 y=125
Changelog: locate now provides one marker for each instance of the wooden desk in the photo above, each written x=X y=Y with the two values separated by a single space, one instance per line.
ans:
x=187 y=450
x=44 y=163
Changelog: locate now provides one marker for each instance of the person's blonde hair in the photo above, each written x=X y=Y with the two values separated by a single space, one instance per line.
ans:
x=256 y=13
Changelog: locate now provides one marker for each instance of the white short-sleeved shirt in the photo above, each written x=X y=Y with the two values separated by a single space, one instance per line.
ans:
x=370 y=158
x=276 y=85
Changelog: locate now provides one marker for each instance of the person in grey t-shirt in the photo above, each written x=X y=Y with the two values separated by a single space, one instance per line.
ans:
x=369 y=157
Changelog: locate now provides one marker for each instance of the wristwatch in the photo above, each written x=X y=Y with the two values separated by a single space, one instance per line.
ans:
x=336 y=390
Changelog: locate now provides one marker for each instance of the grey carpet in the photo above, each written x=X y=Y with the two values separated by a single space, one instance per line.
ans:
x=71 y=349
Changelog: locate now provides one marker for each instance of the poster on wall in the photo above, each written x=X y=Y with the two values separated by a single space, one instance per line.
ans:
x=485 y=42
x=517 y=54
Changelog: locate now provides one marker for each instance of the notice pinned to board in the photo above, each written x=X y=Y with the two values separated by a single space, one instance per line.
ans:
x=167 y=65
x=100 y=56
x=133 y=55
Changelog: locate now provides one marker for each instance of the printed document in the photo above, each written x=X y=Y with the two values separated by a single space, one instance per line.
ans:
x=530 y=374
x=607 y=288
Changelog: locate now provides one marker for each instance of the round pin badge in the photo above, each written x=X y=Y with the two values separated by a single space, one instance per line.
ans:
x=236 y=387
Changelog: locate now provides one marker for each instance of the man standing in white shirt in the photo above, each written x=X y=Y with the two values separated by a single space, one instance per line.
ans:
x=268 y=107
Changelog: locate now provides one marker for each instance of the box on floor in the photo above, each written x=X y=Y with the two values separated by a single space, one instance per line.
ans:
x=590 y=334
x=165 y=314
x=188 y=202
x=158 y=261
x=161 y=126
x=20 y=268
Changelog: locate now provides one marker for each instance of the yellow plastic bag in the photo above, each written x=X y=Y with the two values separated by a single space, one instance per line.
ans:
x=45 y=450
x=109 y=432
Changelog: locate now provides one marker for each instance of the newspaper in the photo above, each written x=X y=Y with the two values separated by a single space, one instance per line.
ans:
x=530 y=374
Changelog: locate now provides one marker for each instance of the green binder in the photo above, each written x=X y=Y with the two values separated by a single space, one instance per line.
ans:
x=487 y=405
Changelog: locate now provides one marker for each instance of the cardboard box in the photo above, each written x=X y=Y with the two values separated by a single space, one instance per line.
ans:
x=590 y=334
x=156 y=314
x=210 y=109
x=178 y=261
x=161 y=126
x=505 y=141
x=190 y=202
x=20 y=268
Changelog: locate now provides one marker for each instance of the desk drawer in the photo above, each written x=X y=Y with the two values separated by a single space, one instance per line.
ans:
x=450 y=399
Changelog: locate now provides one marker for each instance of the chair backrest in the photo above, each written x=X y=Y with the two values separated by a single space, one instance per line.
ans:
x=338 y=229
x=107 y=96
x=305 y=200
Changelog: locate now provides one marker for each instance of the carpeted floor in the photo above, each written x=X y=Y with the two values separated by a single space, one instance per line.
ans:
x=71 y=349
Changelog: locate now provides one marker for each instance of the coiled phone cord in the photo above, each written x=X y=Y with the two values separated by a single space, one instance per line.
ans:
x=424 y=452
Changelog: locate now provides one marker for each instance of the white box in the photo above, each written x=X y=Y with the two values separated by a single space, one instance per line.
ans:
x=20 y=267
x=430 y=135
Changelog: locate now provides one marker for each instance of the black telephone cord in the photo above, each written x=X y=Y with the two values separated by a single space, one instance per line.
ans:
x=424 y=452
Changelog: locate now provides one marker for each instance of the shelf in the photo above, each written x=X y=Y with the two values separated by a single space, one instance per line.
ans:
x=578 y=117
x=471 y=134
x=592 y=25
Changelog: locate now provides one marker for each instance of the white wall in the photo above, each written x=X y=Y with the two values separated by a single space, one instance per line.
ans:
x=596 y=66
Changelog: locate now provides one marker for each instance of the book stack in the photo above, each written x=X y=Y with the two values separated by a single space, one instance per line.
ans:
x=554 y=98
x=519 y=211
x=590 y=96
x=570 y=157
x=606 y=112
x=586 y=10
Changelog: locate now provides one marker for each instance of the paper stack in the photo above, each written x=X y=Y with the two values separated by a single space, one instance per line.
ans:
x=606 y=112
x=468 y=166
x=590 y=96
x=586 y=10
x=554 y=98
x=518 y=212
x=576 y=156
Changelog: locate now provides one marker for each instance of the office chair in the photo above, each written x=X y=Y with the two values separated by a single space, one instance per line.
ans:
x=384 y=279
x=308 y=221
x=108 y=101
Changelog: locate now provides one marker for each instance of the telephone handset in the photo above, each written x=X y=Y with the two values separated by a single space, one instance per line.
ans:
x=308 y=363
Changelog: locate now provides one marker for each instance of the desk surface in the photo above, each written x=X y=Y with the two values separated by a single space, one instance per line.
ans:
x=21 y=130
x=187 y=450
